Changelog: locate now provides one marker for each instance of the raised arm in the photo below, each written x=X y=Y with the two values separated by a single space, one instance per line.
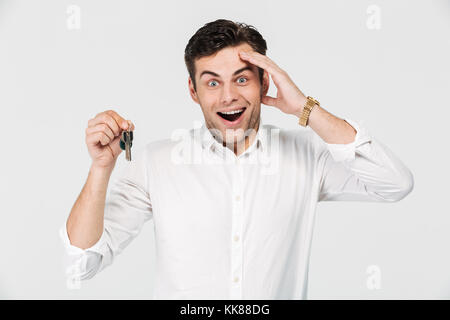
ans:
x=362 y=170
x=100 y=227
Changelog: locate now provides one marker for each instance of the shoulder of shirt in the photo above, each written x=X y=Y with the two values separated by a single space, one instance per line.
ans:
x=301 y=141
x=160 y=146
x=298 y=136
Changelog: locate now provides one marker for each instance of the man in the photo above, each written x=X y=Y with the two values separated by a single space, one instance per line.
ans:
x=236 y=222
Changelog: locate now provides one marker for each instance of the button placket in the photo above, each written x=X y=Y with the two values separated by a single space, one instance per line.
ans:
x=236 y=233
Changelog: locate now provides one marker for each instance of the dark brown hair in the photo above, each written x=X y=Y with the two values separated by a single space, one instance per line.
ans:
x=216 y=35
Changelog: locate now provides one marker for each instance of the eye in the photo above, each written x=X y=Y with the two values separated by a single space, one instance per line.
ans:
x=242 y=78
x=212 y=81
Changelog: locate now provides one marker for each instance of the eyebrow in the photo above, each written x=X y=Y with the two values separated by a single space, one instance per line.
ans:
x=235 y=73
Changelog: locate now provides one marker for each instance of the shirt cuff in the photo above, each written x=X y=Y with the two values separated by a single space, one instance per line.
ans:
x=98 y=247
x=80 y=264
x=346 y=152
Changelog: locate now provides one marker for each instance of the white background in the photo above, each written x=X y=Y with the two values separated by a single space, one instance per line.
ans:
x=128 y=56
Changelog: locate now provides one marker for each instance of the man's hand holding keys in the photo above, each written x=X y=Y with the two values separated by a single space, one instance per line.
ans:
x=103 y=138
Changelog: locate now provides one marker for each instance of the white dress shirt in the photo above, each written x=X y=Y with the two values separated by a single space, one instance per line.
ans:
x=229 y=227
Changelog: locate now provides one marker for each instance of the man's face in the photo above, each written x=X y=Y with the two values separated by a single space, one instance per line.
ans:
x=229 y=92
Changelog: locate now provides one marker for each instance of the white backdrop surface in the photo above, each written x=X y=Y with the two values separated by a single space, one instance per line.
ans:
x=383 y=62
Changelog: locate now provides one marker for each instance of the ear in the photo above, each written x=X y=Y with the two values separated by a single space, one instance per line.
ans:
x=265 y=84
x=192 y=91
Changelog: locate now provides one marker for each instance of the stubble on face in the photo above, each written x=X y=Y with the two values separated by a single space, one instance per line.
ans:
x=224 y=62
x=247 y=131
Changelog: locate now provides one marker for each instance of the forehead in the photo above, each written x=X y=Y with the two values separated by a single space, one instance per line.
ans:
x=225 y=61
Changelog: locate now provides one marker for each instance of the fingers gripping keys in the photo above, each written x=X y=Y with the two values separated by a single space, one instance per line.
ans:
x=126 y=142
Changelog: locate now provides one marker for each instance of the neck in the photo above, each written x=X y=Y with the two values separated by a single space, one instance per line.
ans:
x=240 y=146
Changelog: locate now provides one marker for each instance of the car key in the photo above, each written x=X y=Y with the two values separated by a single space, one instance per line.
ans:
x=126 y=142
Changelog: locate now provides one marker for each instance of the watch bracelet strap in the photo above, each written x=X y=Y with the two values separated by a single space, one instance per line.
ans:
x=310 y=103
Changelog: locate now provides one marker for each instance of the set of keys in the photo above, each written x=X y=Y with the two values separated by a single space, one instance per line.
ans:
x=126 y=142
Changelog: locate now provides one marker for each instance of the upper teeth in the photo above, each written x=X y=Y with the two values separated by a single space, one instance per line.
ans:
x=233 y=112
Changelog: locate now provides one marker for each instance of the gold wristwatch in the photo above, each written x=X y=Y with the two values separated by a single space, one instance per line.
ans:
x=310 y=103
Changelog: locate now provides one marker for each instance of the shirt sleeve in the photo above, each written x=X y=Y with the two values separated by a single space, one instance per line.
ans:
x=363 y=170
x=127 y=208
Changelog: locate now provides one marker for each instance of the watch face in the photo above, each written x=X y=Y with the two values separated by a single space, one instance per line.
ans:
x=314 y=100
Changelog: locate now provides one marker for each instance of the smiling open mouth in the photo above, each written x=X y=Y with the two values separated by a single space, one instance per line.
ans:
x=231 y=115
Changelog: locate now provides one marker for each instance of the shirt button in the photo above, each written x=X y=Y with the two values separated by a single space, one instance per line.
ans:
x=236 y=279
x=236 y=238
x=238 y=198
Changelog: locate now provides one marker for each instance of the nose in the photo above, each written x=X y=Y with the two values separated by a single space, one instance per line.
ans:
x=229 y=94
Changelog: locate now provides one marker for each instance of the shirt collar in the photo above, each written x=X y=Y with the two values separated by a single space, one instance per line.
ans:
x=210 y=144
